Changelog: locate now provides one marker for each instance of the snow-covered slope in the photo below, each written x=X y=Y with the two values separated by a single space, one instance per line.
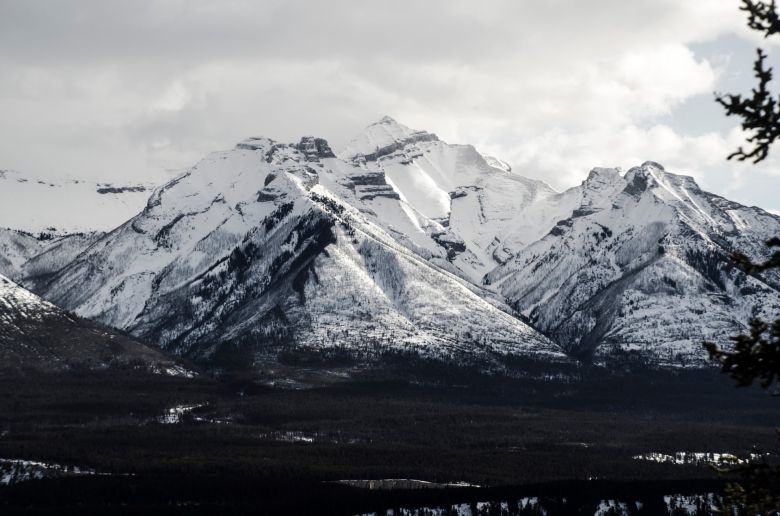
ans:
x=578 y=262
x=16 y=249
x=32 y=258
x=75 y=206
x=642 y=267
x=36 y=335
x=448 y=196
x=271 y=246
x=45 y=224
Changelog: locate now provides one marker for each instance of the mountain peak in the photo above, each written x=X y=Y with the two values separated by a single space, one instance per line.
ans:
x=315 y=148
x=653 y=164
x=652 y=175
x=648 y=169
x=386 y=120
x=603 y=174
x=384 y=137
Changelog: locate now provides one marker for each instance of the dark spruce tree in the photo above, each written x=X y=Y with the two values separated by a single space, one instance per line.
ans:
x=755 y=356
x=760 y=112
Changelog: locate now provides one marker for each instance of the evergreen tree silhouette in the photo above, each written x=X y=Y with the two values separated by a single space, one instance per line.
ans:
x=755 y=356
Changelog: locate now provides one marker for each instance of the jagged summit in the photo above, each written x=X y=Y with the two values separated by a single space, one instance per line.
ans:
x=311 y=147
x=656 y=171
x=315 y=148
x=652 y=164
x=656 y=175
x=650 y=176
x=603 y=174
x=641 y=267
x=382 y=138
x=386 y=120
x=600 y=181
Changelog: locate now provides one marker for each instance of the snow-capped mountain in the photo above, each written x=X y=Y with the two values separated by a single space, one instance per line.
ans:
x=404 y=243
x=35 y=257
x=268 y=246
x=642 y=266
x=44 y=224
x=580 y=264
x=448 y=196
x=36 y=335
x=61 y=207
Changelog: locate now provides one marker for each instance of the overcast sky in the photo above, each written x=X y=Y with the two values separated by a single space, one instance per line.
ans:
x=133 y=90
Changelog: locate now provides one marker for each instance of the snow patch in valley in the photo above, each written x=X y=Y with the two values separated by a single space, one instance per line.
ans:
x=401 y=483
x=13 y=471
x=174 y=415
x=699 y=458
x=174 y=370
x=675 y=504
x=301 y=437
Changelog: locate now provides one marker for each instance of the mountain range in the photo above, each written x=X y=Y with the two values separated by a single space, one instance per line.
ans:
x=402 y=244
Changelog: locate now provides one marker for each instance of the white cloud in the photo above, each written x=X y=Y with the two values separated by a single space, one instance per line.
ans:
x=701 y=156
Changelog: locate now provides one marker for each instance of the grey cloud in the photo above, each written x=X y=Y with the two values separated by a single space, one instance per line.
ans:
x=99 y=30
x=117 y=88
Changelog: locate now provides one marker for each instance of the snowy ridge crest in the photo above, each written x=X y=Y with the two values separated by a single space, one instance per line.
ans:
x=383 y=138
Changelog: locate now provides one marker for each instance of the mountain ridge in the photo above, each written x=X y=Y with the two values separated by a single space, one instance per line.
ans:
x=36 y=335
x=418 y=246
x=250 y=246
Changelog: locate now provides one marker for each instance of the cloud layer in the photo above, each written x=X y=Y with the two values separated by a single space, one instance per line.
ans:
x=124 y=89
